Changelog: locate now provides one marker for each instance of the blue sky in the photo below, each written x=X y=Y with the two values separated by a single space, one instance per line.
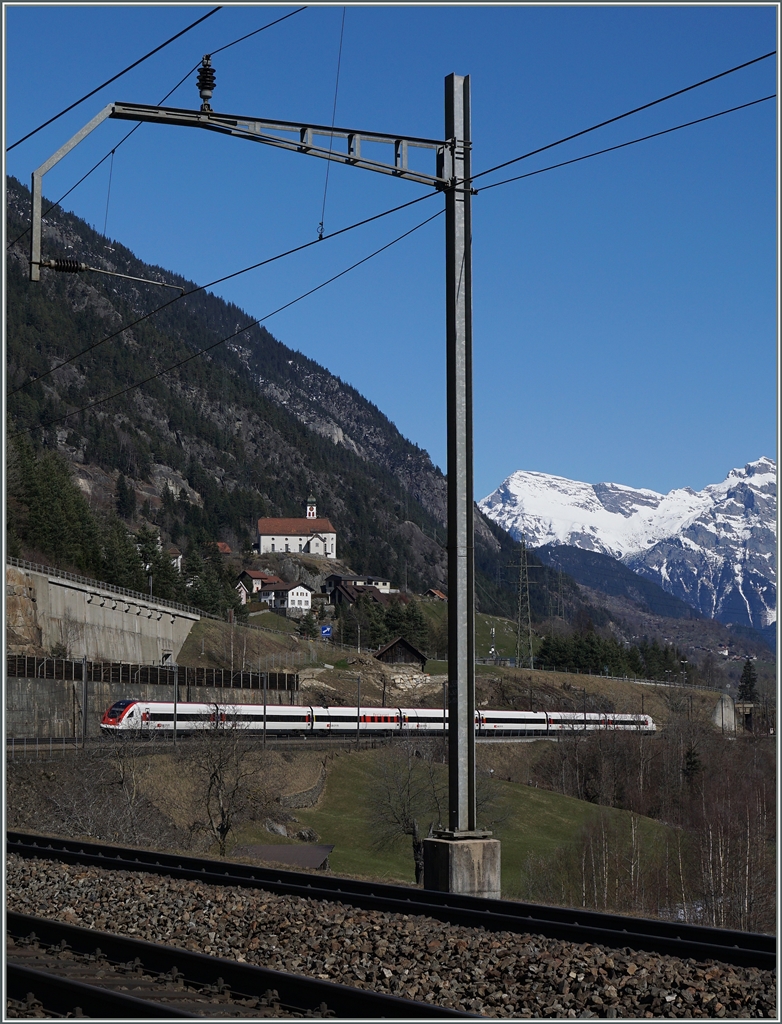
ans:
x=625 y=313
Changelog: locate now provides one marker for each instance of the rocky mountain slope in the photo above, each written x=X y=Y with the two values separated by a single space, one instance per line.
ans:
x=714 y=549
x=251 y=428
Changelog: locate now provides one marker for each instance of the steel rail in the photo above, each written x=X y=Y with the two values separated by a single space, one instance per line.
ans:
x=673 y=938
x=63 y=995
x=295 y=991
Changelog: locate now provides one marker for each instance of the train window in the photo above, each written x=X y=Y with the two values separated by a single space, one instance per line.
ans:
x=119 y=706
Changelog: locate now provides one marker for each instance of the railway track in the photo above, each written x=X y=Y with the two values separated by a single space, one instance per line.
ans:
x=60 y=967
x=744 y=949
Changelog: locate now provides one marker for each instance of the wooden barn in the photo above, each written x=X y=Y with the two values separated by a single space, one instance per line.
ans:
x=400 y=652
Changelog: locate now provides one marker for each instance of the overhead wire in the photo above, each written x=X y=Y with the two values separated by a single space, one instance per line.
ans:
x=137 y=126
x=619 y=117
x=306 y=245
x=621 y=145
x=333 y=121
x=255 y=32
x=474 y=177
x=211 y=284
x=412 y=202
x=240 y=330
x=114 y=78
x=108 y=194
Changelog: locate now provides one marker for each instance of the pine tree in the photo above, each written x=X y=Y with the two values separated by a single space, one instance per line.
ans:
x=416 y=630
x=121 y=562
x=126 y=498
x=748 y=690
x=308 y=626
x=395 y=619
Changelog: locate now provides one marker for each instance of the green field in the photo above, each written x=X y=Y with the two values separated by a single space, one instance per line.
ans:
x=535 y=822
x=268 y=620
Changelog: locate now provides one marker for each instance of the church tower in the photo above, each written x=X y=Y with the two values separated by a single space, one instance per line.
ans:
x=311 y=509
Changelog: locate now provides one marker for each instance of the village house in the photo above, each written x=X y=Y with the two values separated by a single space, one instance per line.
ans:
x=292 y=599
x=335 y=581
x=250 y=582
x=310 y=535
x=347 y=593
x=175 y=555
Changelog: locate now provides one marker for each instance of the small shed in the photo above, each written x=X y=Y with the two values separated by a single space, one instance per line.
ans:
x=401 y=652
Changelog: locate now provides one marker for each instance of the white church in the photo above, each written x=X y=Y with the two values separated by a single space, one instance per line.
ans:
x=311 y=535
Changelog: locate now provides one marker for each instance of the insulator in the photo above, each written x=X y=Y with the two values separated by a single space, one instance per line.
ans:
x=67 y=265
x=206 y=81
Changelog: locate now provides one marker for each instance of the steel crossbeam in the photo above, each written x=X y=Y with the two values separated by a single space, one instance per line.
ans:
x=268 y=132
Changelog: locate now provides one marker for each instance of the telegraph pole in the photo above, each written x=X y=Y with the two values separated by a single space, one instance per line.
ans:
x=460 y=859
x=461 y=586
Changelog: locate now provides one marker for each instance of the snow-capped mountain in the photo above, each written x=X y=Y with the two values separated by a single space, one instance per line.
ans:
x=715 y=548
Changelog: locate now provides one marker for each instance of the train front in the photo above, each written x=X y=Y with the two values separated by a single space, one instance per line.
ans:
x=113 y=719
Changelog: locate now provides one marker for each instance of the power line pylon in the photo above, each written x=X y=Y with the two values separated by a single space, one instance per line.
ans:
x=524 y=610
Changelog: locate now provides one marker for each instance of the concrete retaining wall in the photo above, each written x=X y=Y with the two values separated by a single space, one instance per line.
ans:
x=81 y=619
x=724 y=716
x=53 y=707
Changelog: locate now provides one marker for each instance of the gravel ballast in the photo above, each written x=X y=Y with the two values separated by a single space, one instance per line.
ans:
x=501 y=974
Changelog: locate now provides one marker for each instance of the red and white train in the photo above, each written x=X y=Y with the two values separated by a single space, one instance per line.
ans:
x=294 y=720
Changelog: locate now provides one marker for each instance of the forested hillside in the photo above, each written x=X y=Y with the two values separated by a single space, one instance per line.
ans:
x=250 y=428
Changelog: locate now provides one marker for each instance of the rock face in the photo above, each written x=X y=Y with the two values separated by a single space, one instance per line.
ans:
x=714 y=549
x=23 y=632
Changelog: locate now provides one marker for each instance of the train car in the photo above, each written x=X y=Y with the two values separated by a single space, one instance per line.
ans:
x=637 y=723
x=512 y=723
x=574 y=721
x=342 y=719
x=294 y=720
x=123 y=714
x=158 y=716
x=427 y=720
x=380 y=720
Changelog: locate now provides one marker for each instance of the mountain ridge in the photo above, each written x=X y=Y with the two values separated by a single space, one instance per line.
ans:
x=714 y=548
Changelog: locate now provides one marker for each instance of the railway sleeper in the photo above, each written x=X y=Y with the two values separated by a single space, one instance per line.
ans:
x=155 y=978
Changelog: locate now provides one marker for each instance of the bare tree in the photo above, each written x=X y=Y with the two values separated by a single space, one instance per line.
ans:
x=232 y=777
x=409 y=795
x=71 y=636
x=97 y=793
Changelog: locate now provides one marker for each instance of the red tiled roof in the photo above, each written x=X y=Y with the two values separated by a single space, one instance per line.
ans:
x=223 y=548
x=294 y=526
